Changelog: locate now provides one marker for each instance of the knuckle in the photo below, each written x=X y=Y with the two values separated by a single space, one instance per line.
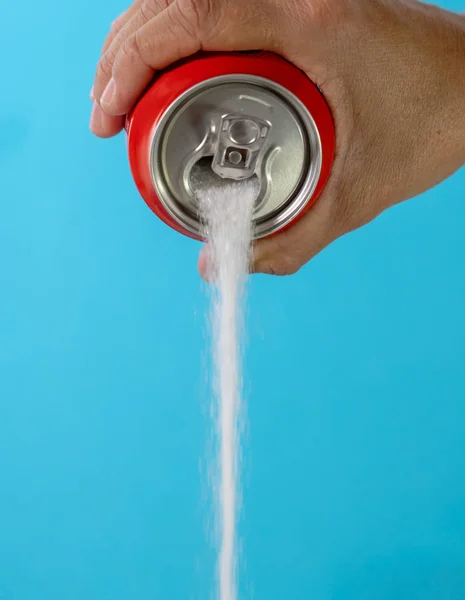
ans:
x=280 y=256
x=147 y=10
x=288 y=266
x=282 y=266
x=194 y=14
x=115 y=27
x=157 y=6
x=322 y=12
x=108 y=41
x=105 y=64
x=133 y=47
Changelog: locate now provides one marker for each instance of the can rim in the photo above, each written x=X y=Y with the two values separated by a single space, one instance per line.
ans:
x=274 y=221
x=180 y=78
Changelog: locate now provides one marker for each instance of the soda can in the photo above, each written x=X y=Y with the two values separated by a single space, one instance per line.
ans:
x=217 y=118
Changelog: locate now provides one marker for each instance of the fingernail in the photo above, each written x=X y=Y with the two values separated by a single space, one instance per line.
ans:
x=92 y=97
x=96 y=118
x=108 y=93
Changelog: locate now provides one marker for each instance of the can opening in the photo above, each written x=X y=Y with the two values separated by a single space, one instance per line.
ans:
x=203 y=176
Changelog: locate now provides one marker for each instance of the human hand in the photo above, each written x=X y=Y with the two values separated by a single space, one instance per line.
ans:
x=393 y=73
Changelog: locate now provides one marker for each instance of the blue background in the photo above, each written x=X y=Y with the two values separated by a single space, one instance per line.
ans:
x=354 y=477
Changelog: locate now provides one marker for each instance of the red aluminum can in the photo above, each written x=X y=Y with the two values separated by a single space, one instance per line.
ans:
x=220 y=117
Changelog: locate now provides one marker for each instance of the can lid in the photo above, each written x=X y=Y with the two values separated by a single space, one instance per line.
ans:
x=226 y=117
x=236 y=127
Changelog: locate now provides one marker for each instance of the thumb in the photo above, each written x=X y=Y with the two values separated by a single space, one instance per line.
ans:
x=285 y=253
x=204 y=264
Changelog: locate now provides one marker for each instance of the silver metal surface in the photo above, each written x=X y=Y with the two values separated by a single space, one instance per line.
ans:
x=239 y=142
x=236 y=127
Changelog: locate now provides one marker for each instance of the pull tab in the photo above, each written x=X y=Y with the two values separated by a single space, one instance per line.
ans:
x=239 y=144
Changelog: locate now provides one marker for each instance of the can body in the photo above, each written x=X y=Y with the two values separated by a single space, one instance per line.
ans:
x=224 y=117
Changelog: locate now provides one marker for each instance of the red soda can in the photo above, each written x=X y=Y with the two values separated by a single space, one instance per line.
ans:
x=221 y=117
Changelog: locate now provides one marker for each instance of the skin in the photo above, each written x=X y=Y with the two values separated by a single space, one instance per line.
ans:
x=393 y=73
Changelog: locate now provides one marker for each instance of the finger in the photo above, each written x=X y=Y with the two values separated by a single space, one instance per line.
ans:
x=286 y=252
x=165 y=39
x=103 y=125
x=204 y=265
x=182 y=29
x=115 y=28
x=136 y=17
x=119 y=23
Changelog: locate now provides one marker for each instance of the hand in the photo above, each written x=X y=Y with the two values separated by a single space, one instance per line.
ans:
x=393 y=73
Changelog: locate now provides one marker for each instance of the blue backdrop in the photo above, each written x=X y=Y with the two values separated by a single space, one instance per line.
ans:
x=354 y=483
